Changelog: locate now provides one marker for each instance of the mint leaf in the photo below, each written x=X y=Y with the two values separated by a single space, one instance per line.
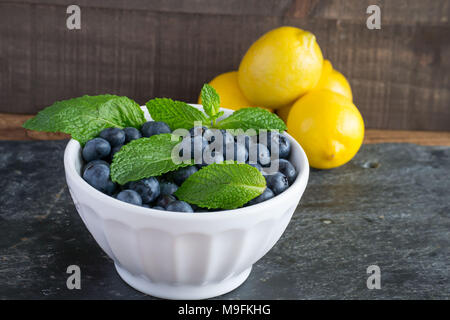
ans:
x=222 y=185
x=84 y=117
x=176 y=114
x=252 y=118
x=210 y=100
x=145 y=157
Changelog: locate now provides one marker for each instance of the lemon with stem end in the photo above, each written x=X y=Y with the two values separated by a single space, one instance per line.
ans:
x=280 y=66
x=328 y=126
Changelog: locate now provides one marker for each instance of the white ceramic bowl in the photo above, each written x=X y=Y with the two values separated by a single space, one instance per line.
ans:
x=180 y=255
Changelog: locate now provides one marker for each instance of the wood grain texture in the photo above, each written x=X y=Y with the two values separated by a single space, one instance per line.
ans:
x=11 y=129
x=142 y=49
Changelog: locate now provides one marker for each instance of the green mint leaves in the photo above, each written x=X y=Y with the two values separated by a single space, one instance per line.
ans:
x=145 y=157
x=84 y=117
x=222 y=185
x=211 y=102
x=176 y=114
x=252 y=118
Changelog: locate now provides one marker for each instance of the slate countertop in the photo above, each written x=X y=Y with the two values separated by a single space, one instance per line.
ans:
x=390 y=206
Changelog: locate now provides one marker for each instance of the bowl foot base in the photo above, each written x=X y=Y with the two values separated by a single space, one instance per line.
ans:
x=183 y=292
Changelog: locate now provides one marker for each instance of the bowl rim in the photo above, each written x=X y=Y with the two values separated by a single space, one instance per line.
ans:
x=299 y=184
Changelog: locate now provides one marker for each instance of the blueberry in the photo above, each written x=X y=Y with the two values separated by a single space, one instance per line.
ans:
x=96 y=148
x=114 y=150
x=196 y=145
x=210 y=156
x=278 y=182
x=145 y=205
x=196 y=208
x=286 y=168
x=240 y=153
x=151 y=128
x=167 y=187
x=247 y=140
x=180 y=175
x=284 y=146
x=263 y=155
x=266 y=195
x=130 y=196
x=165 y=199
x=114 y=136
x=158 y=208
x=257 y=166
x=94 y=162
x=97 y=175
x=110 y=187
x=212 y=134
x=179 y=206
x=131 y=134
x=147 y=188
x=197 y=131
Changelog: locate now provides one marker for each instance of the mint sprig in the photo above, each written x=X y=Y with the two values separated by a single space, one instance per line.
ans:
x=222 y=186
x=145 y=157
x=181 y=115
x=176 y=114
x=84 y=117
x=252 y=118
x=211 y=102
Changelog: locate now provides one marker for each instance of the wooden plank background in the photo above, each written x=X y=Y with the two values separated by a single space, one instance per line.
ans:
x=142 y=49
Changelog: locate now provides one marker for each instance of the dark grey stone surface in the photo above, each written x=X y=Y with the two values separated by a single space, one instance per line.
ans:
x=390 y=206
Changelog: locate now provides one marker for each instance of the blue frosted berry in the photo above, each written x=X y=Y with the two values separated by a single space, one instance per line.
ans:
x=167 y=187
x=263 y=155
x=180 y=175
x=239 y=154
x=286 y=168
x=284 y=146
x=110 y=187
x=266 y=195
x=130 y=196
x=114 y=136
x=165 y=199
x=158 y=208
x=179 y=206
x=97 y=175
x=197 y=131
x=95 y=149
x=94 y=162
x=257 y=166
x=114 y=150
x=212 y=134
x=278 y=182
x=196 y=145
x=131 y=134
x=151 y=128
x=209 y=157
x=147 y=188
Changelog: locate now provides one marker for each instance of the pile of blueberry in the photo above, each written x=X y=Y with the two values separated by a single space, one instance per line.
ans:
x=158 y=192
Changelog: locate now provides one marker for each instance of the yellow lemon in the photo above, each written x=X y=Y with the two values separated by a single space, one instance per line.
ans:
x=328 y=126
x=333 y=80
x=330 y=79
x=283 y=112
x=280 y=66
x=231 y=96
